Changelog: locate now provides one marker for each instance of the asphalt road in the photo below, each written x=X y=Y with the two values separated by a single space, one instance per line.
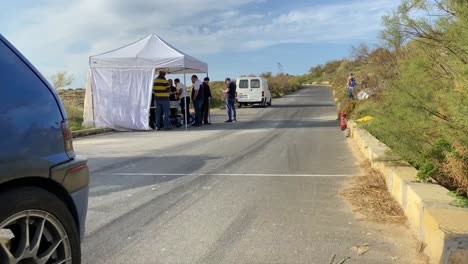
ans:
x=263 y=190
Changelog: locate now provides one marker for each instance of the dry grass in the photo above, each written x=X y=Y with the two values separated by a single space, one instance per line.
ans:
x=456 y=167
x=73 y=101
x=370 y=197
x=72 y=97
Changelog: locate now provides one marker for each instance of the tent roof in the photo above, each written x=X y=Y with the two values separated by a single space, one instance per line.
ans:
x=149 y=52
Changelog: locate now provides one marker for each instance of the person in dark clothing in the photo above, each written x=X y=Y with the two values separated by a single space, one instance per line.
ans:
x=161 y=95
x=230 y=93
x=206 y=101
x=152 y=116
x=173 y=96
x=197 y=98
x=184 y=99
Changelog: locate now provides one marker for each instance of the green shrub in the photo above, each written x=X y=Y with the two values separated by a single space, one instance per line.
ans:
x=427 y=170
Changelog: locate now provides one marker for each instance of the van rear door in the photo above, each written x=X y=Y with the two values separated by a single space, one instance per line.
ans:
x=249 y=91
x=255 y=90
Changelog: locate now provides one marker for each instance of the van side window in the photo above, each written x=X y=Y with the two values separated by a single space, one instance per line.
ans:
x=244 y=84
x=255 y=83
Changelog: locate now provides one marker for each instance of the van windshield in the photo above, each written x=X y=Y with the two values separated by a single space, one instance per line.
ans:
x=244 y=84
x=255 y=83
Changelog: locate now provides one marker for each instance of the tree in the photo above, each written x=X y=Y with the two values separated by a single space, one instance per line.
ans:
x=360 y=54
x=266 y=75
x=391 y=36
x=61 y=80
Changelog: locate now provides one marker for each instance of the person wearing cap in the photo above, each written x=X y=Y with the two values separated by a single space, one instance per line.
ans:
x=206 y=101
x=197 y=99
x=230 y=93
x=161 y=94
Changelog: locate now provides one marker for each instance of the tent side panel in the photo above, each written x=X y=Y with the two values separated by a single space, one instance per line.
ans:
x=122 y=98
x=88 y=116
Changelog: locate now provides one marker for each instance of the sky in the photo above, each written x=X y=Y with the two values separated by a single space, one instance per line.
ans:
x=235 y=37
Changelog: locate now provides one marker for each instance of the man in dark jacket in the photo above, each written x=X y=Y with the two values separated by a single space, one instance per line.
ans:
x=230 y=93
x=173 y=96
x=197 y=98
x=206 y=101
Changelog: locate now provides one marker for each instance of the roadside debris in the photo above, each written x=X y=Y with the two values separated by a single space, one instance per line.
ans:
x=361 y=249
x=344 y=260
x=332 y=259
x=369 y=196
x=365 y=119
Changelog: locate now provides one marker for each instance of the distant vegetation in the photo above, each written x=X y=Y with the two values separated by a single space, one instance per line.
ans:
x=418 y=78
x=281 y=83
x=61 y=80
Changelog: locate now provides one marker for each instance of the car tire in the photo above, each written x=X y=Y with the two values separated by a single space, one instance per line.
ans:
x=269 y=103
x=34 y=207
x=240 y=105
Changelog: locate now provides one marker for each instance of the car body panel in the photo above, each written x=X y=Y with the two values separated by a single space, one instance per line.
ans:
x=80 y=199
x=31 y=123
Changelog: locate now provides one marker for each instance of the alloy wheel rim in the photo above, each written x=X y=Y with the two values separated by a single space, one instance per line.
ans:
x=34 y=237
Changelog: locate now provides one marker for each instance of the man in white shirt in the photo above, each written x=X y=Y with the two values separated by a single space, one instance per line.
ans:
x=184 y=99
x=197 y=98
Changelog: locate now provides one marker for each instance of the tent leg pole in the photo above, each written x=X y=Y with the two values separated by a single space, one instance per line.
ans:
x=185 y=101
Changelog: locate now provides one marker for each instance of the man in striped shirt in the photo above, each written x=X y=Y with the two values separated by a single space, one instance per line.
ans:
x=161 y=94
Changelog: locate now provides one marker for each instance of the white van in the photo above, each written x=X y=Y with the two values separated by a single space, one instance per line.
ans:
x=253 y=90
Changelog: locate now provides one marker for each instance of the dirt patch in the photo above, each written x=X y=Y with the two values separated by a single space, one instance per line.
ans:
x=369 y=196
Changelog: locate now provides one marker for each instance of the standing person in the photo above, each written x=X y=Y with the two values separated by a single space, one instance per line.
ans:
x=351 y=83
x=230 y=93
x=152 y=116
x=161 y=93
x=197 y=99
x=206 y=101
x=173 y=96
x=184 y=98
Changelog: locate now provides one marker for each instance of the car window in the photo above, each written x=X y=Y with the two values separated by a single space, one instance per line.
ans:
x=255 y=83
x=244 y=84
x=29 y=114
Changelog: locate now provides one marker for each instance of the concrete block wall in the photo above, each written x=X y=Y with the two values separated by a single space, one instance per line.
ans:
x=441 y=226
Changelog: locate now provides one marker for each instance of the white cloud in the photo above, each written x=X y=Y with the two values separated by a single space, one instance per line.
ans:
x=61 y=35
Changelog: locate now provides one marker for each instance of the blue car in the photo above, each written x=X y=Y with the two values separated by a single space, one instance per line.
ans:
x=43 y=184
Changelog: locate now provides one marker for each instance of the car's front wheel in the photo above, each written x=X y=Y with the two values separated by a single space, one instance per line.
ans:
x=36 y=227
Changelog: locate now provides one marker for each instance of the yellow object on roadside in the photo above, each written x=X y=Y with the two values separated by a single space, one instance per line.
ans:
x=365 y=119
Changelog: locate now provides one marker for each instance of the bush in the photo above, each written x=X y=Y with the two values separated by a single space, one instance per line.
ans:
x=218 y=98
x=75 y=116
x=282 y=84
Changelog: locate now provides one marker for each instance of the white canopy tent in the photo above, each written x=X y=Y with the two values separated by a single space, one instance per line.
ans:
x=119 y=86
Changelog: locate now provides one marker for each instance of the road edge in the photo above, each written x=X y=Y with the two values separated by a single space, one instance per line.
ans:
x=90 y=132
x=442 y=227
